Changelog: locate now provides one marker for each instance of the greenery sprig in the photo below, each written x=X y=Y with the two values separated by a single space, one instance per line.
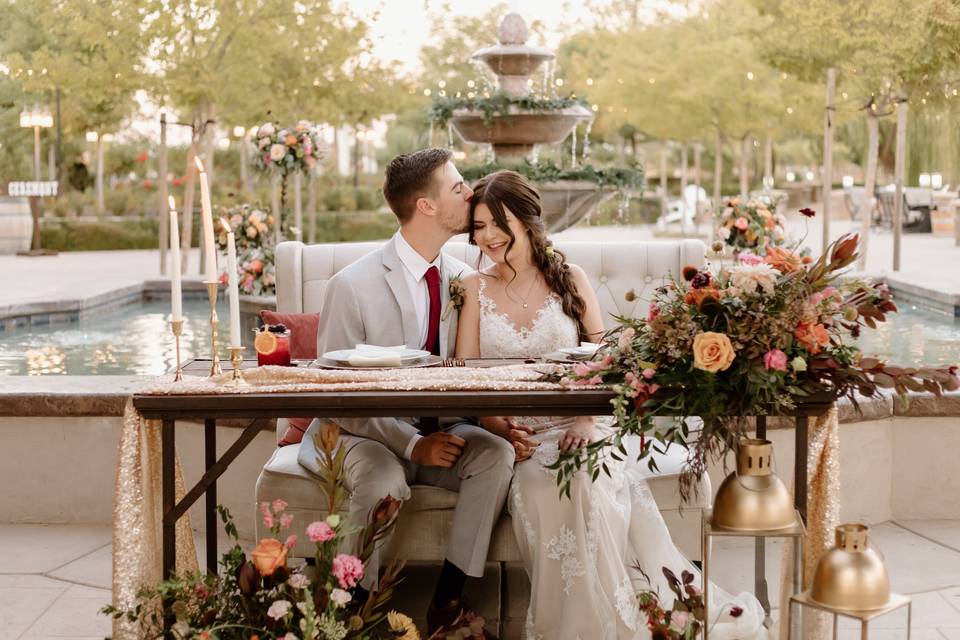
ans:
x=619 y=178
x=497 y=104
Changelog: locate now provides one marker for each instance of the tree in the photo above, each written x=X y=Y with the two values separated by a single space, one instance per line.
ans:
x=90 y=52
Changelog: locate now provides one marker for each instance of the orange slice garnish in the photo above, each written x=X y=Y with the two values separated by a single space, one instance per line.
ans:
x=265 y=343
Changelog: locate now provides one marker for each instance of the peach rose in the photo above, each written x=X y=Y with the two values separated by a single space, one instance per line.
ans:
x=712 y=352
x=269 y=555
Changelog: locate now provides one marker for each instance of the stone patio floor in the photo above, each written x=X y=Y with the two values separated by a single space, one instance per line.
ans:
x=54 y=578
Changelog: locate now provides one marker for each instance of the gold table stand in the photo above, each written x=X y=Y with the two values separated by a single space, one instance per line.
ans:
x=897 y=601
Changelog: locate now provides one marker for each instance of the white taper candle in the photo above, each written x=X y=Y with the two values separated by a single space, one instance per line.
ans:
x=176 y=297
x=209 y=248
x=233 y=290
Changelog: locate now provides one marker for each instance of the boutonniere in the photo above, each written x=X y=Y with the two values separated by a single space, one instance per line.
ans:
x=456 y=290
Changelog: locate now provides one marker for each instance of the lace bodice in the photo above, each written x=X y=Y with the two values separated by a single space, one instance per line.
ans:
x=551 y=329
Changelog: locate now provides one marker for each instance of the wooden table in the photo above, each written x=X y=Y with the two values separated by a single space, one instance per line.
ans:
x=260 y=407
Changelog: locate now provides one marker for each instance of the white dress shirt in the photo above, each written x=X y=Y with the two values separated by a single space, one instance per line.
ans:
x=414 y=271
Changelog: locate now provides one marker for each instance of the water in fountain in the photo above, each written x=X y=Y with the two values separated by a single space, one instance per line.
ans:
x=573 y=147
x=586 y=142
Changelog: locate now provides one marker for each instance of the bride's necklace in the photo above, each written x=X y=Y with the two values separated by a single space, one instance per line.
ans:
x=523 y=299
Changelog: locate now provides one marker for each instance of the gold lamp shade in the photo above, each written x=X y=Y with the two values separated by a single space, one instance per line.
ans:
x=851 y=576
x=752 y=498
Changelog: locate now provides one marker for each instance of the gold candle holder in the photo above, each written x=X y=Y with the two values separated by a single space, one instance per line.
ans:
x=177 y=327
x=236 y=359
x=212 y=288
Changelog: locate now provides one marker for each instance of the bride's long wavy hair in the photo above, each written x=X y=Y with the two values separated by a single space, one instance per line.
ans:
x=508 y=190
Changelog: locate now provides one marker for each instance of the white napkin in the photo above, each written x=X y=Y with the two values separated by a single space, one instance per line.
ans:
x=368 y=355
x=585 y=350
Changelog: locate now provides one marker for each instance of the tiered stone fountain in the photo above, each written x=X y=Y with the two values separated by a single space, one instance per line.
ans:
x=515 y=135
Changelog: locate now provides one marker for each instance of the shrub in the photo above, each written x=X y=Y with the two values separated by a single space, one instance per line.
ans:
x=68 y=235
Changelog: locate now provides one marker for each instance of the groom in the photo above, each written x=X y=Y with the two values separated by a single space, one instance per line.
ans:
x=397 y=295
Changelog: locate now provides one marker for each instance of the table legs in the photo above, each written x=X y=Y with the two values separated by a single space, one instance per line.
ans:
x=210 y=459
x=760 y=551
x=169 y=525
x=800 y=466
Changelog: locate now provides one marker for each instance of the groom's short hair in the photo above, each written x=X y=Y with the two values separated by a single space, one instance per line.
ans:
x=408 y=177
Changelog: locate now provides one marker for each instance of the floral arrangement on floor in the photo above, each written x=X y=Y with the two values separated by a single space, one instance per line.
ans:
x=255 y=244
x=685 y=619
x=753 y=338
x=261 y=597
x=753 y=225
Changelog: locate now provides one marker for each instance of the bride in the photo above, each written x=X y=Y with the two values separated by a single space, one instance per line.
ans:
x=581 y=552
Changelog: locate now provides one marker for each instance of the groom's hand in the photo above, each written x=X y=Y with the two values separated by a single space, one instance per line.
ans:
x=515 y=434
x=438 y=449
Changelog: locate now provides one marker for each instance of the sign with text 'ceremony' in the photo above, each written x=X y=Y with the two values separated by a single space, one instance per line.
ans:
x=32 y=189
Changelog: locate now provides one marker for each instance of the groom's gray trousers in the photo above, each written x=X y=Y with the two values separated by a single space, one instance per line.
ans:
x=481 y=475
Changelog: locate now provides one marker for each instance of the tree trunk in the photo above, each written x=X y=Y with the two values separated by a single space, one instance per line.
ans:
x=298 y=206
x=663 y=178
x=899 y=166
x=717 y=183
x=186 y=235
x=99 y=179
x=768 y=162
x=828 y=156
x=356 y=158
x=744 y=167
x=245 y=164
x=163 y=206
x=312 y=206
x=683 y=189
x=697 y=180
x=869 y=186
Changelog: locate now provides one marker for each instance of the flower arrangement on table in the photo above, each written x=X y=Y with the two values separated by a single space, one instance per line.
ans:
x=255 y=248
x=261 y=597
x=753 y=225
x=751 y=339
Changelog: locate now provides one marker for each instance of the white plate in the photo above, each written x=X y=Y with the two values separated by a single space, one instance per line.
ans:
x=325 y=363
x=407 y=356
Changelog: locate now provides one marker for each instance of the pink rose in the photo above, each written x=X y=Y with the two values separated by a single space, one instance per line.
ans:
x=648 y=373
x=775 y=360
x=347 y=570
x=741 y=223
x=748 y=258
x=581 y=370
x=291 y=542
x=320 y=532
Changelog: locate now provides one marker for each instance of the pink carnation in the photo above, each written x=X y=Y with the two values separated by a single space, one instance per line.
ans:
x=279 y=505
x=775 y=360
x=286 y=520
x=320 y=531
x=748 y=258
x=347 y=570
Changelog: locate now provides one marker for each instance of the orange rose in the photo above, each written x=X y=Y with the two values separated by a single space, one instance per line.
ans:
x=812 y=336
x=712 y=352
x=269 y=555
x=783 y=260
x=291 y=140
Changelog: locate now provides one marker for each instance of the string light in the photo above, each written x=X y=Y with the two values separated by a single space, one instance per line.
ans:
x=595 y=108
x=471 y=84
x=589 y=82
x=653 y=80
x=790 y=110
x=426 y=92
x=749 y=75
x=442 y=84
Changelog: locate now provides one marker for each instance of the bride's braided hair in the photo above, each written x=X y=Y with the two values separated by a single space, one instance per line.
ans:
x=508 y=190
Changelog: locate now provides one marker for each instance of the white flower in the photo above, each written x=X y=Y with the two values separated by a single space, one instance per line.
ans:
x=277 y=152
x=298 y=581
x=279 y=609
x=266 y=129
x=263 y=143
x=724 y=233
x=340 y=597
x=626 y=338
x=752 y=277
x=333 y=520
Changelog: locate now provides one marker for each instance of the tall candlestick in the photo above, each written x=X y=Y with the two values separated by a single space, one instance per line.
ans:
x=176 y=297
x=210 y=252
x=232 y=286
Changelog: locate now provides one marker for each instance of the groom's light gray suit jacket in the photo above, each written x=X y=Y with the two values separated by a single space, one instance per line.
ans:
x=369 y=302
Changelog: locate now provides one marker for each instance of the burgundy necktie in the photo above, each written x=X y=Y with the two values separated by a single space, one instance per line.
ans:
x=430 y=424
x=433 y=324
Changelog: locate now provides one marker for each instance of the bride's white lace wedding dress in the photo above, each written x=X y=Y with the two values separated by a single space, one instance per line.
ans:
x=580 y=552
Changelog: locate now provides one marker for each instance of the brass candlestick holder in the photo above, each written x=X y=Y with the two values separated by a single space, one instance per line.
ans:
x=212 y=288
x=236 y=359
x=177 y=327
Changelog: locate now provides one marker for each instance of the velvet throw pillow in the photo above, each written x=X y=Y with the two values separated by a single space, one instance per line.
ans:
x=303 y=346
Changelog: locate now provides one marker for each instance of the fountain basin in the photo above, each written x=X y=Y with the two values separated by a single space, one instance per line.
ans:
x=515 y=134
x=565 y=202
x=513 y=59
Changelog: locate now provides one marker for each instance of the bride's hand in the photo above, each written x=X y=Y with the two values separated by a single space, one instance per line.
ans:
x=578 y=435
x=514 y=433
